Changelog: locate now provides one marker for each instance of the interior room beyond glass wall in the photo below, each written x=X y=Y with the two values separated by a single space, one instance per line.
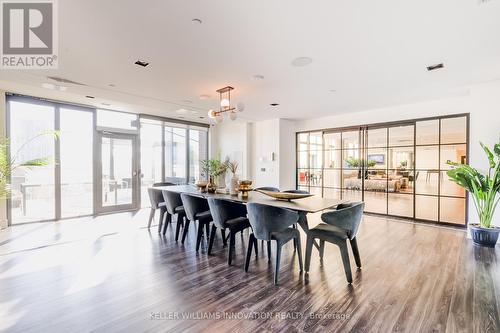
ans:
x=397 y=169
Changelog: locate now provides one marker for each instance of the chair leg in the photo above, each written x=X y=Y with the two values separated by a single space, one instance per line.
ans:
x=160 y=223
x=168 y=220
x=223 y=234
x=278 y=259
x=294 y=240
x=299 y=253
x=309 y=246
x=178 y=227
x=345 y=260
x=207 y=229
x=199 y=235
x=231 y=247
x=321 y=249
x=151 y=217
x=185 y=231
x=251 y=241
x=268 y=251
x=355 y=251
x=256 y=247
x=212 y=237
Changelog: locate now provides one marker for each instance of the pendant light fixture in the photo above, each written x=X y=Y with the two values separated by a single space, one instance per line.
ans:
x=225 y=106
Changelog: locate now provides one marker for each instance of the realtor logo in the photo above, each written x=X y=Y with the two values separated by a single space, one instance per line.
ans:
x=29 y=34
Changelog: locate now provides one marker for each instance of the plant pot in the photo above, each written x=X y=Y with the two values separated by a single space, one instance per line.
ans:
x=484 y=236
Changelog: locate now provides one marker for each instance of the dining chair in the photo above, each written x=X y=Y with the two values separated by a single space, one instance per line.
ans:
x=157 y=202
x=174 y=207
x=272 y=224
x=227 y=215
x=341 y=225
x=196 y=209
x=267 y=188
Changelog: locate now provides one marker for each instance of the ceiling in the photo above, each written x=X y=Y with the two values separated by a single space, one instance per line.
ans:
x=370 y=53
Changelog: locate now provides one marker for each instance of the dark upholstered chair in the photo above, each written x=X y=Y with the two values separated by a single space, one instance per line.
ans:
x=272 y=223
x=267 y=188
x=157 y=202
x=163 y=184
x=341 y=225
x=196 y=209
x=227 y=215
x=296 y=191
x=174 y=206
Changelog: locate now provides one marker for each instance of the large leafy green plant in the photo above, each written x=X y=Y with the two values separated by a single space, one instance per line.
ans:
x=213 y=167
x=7 y=165
x=483 y=188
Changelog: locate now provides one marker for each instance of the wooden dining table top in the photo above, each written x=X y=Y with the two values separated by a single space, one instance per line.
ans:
x=311 y=204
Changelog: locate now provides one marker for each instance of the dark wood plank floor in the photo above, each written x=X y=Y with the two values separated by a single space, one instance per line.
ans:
x=110 y=274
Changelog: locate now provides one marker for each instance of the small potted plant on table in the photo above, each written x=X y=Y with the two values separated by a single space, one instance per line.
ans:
x=484 y=189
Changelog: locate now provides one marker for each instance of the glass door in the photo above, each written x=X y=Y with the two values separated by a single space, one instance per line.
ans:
x=117 y=174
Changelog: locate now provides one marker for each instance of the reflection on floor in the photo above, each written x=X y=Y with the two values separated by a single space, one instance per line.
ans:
x=111 y=274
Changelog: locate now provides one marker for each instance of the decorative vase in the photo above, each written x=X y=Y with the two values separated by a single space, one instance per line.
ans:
x=484 y=236
x=221 y=181
x=233 y=185
x=211 y=186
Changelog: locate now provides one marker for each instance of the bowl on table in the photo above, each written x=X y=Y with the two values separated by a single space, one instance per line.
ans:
x=285 y=195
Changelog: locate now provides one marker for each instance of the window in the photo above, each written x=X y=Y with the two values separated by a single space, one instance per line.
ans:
x=32 y=188
x=76 y=141
x=120 y=121
x=197 y=152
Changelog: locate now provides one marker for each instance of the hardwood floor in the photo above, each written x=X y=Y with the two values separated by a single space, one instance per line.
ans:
x=111 y=274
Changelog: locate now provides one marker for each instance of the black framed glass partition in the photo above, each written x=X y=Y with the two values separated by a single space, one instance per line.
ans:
x=397 y=169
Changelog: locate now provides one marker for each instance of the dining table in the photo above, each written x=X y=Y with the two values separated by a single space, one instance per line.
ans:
x=304 y=206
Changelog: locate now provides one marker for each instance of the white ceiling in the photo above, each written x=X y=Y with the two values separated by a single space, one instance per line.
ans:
x=373 y=53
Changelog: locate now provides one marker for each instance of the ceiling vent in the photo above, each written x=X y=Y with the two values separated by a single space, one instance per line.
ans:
x=141 y=63
x=63 y=80
x=434 y=67
x=482 y=2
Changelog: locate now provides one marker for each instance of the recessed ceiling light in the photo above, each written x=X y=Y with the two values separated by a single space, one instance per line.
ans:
x=332 y=90
x=91 y=97
x=111 y=85
x=181 y=111
x=49 y=86
x=201 y=117
x=187 y=101
x=62 y=88
x=204 y=96
x=301 y=61
x=274 y=104
x=141 y=63
x=258 y=77
x=106 y=104
x=434 y=67
x=196 y=20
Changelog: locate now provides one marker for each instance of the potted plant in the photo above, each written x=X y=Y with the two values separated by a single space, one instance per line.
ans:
x=233 y=187
x=214 y=168
x=484 y=189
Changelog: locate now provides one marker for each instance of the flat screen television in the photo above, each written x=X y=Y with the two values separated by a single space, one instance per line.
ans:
x=378 y=158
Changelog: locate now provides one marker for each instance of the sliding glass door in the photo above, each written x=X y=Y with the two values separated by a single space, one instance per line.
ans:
x=397 y=169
